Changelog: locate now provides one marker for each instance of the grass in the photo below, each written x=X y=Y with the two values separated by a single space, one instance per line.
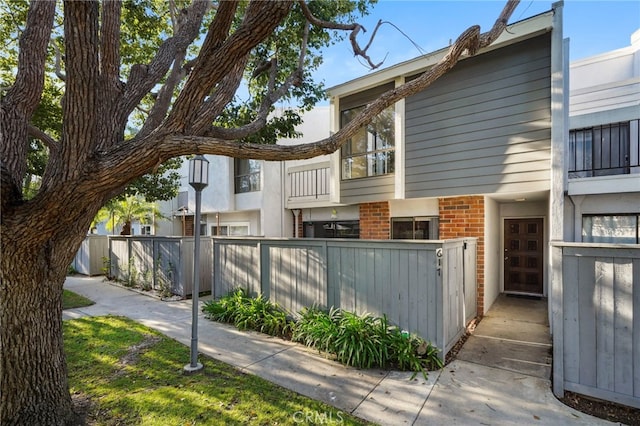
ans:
x=71 y=300
x=123 y=373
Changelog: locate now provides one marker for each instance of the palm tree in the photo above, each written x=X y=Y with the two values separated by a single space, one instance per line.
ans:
x=124 y=211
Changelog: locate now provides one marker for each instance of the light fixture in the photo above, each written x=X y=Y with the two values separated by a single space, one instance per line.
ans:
x=198 y=179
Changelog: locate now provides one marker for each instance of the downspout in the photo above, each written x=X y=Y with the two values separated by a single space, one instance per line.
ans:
x=296 y=219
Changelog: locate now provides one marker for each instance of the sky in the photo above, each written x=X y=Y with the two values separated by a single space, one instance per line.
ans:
x=593 y=27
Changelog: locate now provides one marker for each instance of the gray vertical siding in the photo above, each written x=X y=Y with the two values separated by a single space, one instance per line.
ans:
x=236 y=265
x=596 y=322
x=160 y=261
x=484 y=127
x=90 y=257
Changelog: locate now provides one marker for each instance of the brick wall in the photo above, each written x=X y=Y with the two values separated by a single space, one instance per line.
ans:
x=374 y=221
x=300 y=224
x=464 y=217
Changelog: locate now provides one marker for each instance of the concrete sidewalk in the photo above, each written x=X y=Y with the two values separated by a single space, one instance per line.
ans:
x=462 y=393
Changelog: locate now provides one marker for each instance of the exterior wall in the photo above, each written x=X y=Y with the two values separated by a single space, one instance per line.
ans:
x=374 y=221
x=596 y=204
x=493 y=253
x=368 y=189
x=462 y=217
x=484 y=127
x=605 y=89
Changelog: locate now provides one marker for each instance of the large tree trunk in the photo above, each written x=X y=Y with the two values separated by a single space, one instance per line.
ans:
x=33 y=372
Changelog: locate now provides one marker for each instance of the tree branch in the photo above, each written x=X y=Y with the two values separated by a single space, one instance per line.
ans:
x=354 y=28
x=143 y=77
x=272 y=96
x=169 y=144
x=109 y=43
x=51 y=143
x=22 y=98
x=215 y=61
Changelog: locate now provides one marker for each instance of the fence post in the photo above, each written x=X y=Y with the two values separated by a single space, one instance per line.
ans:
x=557 y=323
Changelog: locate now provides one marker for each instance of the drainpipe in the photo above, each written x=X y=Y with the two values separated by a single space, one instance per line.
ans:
x=296 y=218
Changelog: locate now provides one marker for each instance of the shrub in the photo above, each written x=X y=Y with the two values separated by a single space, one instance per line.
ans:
x=248 y=313
x=365 y=341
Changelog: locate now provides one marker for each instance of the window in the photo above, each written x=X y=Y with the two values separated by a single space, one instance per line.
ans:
x=619 y=229
x=609 y=149
x=145 y=230
x=414 y=228
x=230 y=230
x=247 y=175
x=371 y=151
x=332 y=229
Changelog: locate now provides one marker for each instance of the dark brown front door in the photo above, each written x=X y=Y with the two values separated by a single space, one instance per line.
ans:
x=523 y=255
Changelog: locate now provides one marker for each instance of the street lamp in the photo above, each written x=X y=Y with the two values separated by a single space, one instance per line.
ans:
x=198 y=179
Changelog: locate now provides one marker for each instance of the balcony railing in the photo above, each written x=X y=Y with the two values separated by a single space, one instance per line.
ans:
x=309 y=184
x=612 y=149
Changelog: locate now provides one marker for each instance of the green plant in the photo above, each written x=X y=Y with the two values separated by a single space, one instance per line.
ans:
x=146 y=280
x=71 y=270
x=316 y=328
x=249 y=313
x=106 y=267
x=132 y=277
x=364 y=341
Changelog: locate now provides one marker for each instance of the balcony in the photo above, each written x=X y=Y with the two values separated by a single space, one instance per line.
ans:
x=308 y=185
x=604 y=159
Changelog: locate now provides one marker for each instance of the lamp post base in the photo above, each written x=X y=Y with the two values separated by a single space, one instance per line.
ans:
x=189 y=370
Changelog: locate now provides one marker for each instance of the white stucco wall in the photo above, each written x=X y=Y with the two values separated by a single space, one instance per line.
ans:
x=492 y=252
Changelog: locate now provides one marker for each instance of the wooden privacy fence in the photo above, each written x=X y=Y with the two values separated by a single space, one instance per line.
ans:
x=595 y=304
x=90 y=258
x=421 y=286
x=160 y=263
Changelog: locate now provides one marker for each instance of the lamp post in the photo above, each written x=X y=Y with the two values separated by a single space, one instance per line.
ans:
x=198 y=179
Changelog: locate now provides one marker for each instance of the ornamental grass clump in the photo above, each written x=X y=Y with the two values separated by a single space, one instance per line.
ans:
x=249 y=313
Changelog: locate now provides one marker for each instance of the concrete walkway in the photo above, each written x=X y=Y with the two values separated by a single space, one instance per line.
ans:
x=462 y=393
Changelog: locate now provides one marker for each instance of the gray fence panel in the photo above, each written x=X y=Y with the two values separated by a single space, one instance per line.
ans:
x=295 y=275
x=236 y=264
x=119 y=258
x=598 y=327
x=141 y=262
x=167 y=277
x=205 y=266
x=470 y=281
x=90 y=257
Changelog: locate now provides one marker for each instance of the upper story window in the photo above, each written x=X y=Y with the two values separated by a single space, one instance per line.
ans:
x=247 y=175
x=610 y=149
x=371 y=151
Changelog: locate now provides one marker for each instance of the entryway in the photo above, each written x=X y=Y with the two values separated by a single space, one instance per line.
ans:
x=523 y=256
x=514 y=336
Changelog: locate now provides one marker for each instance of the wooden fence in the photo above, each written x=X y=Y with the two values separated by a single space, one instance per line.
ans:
x=160 y=263
x=90 y=258
x=595 y=312
x=420 y=286
x=428 y=288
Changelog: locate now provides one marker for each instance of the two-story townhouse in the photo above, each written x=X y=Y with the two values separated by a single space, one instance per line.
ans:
x=603 y=150
x=471 y=155
x=243 y=197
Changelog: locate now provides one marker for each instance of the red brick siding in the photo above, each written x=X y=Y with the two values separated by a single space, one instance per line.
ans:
x=464 y=217
x=374 y=221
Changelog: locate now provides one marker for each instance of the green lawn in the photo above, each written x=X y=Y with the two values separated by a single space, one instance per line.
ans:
x=124 y=373
x=72 y=300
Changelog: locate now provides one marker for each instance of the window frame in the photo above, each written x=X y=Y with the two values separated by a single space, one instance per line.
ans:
x=377 y=148
x=250 y=177
x=432 y=226
x=603 y=215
